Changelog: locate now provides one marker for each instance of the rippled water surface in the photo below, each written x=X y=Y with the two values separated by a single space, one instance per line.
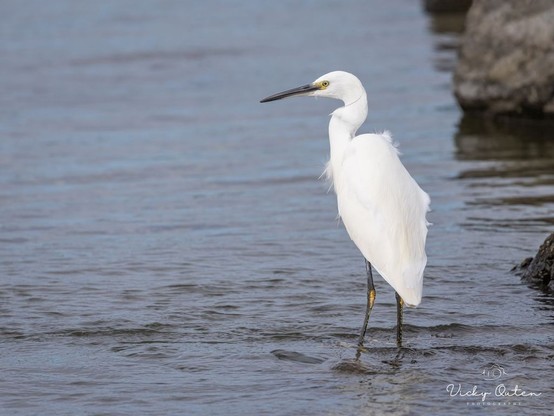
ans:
x=166 y=246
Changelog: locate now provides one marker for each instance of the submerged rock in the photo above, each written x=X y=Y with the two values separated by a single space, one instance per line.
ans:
x=506 y=62
x=539 y=269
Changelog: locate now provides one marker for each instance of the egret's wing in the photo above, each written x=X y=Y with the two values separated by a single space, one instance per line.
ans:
x=383 y=209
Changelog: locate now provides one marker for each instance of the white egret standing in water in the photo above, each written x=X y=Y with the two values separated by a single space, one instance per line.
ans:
x=380 y=204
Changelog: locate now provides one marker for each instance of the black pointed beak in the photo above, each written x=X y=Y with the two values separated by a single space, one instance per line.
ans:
x=304 y=89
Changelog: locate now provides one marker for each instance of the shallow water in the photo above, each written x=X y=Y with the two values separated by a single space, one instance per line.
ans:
x=166 y=246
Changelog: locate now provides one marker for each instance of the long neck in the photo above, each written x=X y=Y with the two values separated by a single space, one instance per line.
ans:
x=345 y=121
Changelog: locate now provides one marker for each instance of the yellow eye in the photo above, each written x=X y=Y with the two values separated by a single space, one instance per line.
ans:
x=324 y=84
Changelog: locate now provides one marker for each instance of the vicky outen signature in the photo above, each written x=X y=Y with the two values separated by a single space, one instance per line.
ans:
x=509 y=394
x=500 y=391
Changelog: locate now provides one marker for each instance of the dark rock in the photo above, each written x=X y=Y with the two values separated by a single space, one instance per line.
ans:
x=506 y=62
x=446 y=6
x=539 y=269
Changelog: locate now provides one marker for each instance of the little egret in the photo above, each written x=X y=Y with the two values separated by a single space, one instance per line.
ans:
x=380 y=204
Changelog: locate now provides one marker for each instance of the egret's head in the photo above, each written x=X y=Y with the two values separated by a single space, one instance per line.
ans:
x=337 y=84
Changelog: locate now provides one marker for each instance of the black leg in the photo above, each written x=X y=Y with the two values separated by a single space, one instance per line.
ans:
x=399 y=313
x=370 y=302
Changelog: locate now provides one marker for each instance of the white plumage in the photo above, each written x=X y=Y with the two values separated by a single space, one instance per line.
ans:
x=380 y=204
x=383 y=210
